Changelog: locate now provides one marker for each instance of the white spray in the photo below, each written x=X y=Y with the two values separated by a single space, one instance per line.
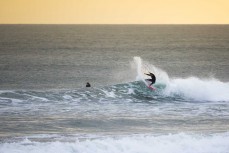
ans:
x=144 y=67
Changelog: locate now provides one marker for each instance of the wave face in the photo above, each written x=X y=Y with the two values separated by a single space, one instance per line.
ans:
x=179 y=143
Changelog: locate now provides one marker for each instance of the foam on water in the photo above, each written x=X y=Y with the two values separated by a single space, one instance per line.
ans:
x=199 y=89
x=179 y=143
x=191 y=88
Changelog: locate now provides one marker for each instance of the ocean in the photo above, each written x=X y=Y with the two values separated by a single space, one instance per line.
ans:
x=46 y=108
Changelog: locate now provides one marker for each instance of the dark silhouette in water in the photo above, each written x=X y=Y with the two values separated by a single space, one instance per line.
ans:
x=88 y=84
x=153 y=78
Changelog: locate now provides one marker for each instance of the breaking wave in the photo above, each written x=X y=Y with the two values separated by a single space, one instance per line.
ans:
x=192 y=88
x=179 y=143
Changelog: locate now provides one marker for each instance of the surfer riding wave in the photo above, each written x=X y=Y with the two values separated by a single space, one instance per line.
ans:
x=153 y=78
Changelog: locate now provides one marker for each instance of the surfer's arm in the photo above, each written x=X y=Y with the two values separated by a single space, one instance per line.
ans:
x=147 y=74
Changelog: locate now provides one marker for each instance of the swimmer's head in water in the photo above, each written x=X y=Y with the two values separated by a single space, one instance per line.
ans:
x=88 y=84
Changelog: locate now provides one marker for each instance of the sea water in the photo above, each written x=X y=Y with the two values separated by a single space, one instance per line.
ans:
x=45 y=106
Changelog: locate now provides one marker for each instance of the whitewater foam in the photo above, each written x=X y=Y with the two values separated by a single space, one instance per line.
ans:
x=179 y=143
x=199 y=89
x=109 y=94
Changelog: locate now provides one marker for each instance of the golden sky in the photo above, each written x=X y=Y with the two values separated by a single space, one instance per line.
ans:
x=114 y=11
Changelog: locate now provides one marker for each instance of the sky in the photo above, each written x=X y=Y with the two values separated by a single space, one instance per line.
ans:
x=114 y=11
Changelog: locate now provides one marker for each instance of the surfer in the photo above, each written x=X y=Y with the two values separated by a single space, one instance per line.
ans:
x=153 y=78
x=88 y=84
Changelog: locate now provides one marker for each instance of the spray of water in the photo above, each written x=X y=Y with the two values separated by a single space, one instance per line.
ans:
x=145 y=67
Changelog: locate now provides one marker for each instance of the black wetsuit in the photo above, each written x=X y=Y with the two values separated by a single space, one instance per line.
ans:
x=88 y=84
x=153 y=78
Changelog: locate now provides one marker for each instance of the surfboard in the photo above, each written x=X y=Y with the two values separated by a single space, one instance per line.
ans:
x=148 y=85
x=152 y=88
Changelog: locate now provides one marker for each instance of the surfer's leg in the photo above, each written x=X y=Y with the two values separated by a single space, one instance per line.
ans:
x=149 y=80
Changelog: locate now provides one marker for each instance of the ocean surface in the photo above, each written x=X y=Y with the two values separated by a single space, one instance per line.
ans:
x=46 y=108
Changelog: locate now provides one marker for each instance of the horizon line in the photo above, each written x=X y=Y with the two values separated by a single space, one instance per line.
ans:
x=114 y=24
